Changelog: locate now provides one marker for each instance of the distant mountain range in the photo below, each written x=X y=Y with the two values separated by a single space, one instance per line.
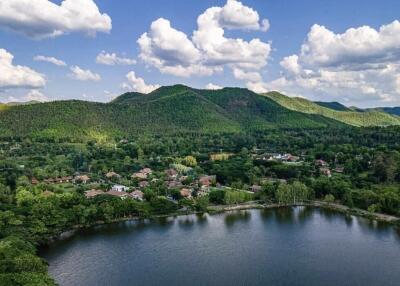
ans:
x=179 y=108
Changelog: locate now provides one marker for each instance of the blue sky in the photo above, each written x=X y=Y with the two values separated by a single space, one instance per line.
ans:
x=360 y=74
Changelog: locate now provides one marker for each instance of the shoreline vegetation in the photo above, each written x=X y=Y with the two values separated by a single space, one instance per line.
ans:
x=215 y=209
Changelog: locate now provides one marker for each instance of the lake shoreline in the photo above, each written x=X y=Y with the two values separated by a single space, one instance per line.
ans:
x=247 y=206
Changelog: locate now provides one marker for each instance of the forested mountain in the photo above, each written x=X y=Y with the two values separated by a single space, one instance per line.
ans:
x=389 y=110
x=333 y=105
x=351 y=117
x=166 y=110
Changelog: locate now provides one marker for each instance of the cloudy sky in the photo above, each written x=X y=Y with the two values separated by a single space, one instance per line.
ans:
x=343 y=50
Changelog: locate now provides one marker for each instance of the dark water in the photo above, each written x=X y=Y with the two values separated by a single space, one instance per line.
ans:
x=299 y=246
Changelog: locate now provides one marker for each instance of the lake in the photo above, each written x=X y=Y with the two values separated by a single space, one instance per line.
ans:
x=287 y=246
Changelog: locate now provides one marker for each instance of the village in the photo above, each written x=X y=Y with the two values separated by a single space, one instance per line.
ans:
x=178 y=181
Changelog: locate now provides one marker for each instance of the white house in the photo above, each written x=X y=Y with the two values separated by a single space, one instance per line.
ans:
x=120 y=188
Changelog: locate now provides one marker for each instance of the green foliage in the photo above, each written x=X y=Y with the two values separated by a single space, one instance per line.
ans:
x=355 y=118
x=166 y=110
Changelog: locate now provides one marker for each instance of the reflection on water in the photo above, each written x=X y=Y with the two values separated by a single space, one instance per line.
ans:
x=285 y=246
x=235 y=216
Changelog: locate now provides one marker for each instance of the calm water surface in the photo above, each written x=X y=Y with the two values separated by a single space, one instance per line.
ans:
x=293 y=246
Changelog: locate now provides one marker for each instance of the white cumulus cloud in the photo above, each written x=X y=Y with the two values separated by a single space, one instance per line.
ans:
x=40 y=19
x=208 y=51
x=137 y=84
x=212 y=86
x=112 y=59
x=51 y=60
x=83 y=75
x=36 y=95
x=14 y=76
x=360 y=66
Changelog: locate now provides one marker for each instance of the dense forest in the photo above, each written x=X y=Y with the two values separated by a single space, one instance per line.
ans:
x=356 y=167
x=179 y=150
x=174 y=109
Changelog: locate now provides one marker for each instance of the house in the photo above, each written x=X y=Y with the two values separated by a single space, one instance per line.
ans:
x=121 y=195
x=143 y=184
x=325 y=171
x=207 y=180
x=171 y=173
x=139 y=176
x=339 y=170
x=82 y=179
x=321 y=163
x=186 y=193
x=120 y=188
x=34 y=181
x=137 y=195
x=146 y=171
x=93 y=193
x=255 y=188
x=112 y=175
x=173 y=184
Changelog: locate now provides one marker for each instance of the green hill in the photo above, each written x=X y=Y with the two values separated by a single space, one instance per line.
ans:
x=355 y=118
x=333 y=105
x=166 y=110
x=389 y=110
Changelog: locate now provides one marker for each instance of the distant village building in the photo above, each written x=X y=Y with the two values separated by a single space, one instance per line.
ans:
x=325 y=171
x=143 y=184
x=186 y=193
x=321 y=163
x=171 y=173
x=207 y=180
x=137 y=195
x=93 y=193
x=255 y=188
x=139 y=176
x=34 y=181
x=82 y=179
x=120 y=188
x=112 y=175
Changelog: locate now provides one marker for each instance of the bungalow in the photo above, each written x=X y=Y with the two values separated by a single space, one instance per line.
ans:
x=139 y=176
x=34 y=181
x=137 y=195
x=120 y=188
x=186 y=193
x=143 y=184
x=171 y=173
x=93 y=193
x=321 y=163
x=255 y=188
x=146 y=171
x=82 y=179
x=207 y=180
x=325 y=171
x=112 y=175
x=173 y=184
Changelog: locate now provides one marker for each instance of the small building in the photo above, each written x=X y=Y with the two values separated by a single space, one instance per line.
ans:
x=120 y=188
x=112 y=175
x=325 y=171
x=255 y=188
x=146 y=171
x=207 y=180
x=139 y=176
x=186 y=193
x=93 y=193
x=143 y=184
x=171 y=173
x=82 y=179
x=173 y=184
x=34 y=181
x=137 y=195
x=321 y=163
